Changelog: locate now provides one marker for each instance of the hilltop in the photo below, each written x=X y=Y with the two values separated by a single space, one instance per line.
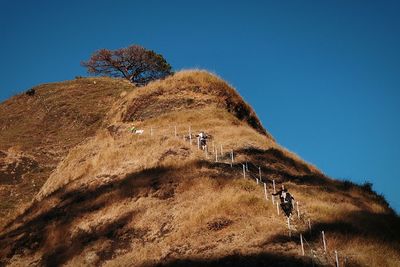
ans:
x=108 y=197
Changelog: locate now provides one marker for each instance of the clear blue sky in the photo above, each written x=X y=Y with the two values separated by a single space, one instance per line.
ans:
x=323 y=76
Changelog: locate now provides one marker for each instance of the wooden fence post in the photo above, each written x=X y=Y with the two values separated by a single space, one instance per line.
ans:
x=301 y=243
x=309 y=224
x=244 y=171
x=232 y=158
x=259 y=173
x=257 y=180
x=324 y=241
x=273 y=184
x=265 y=191
x=216 y=157
x=198 y=142
x=222 y=152
x=336 y=259
x=277 y=208
x=298 y=211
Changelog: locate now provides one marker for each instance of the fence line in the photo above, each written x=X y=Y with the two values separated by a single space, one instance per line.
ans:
x=259 y=180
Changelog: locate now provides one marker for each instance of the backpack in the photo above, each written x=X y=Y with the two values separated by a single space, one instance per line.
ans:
x=288 y=197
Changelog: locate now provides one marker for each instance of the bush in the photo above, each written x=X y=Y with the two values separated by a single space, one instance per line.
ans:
x=367 y=186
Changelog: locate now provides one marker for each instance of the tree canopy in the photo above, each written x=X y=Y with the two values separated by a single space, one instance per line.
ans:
x=134 y=63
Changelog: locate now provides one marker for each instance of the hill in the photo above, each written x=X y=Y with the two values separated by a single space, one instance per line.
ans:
x=115 y=198
x=38 y=131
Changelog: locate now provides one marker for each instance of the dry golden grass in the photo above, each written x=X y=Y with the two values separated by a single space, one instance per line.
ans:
x=45 y=126
x=120 y=199
x=362 y=230
x=199 y=202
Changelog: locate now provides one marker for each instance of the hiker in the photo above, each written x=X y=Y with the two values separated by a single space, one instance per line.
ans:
x=286 y=200
x=202 y=139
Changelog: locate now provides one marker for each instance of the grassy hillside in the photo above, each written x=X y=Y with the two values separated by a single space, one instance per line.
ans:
x=120 y=199
x=42 y=128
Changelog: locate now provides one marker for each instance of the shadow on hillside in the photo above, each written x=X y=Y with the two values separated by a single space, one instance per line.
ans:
x=276 y=165
x=86 y=199
x=383 y=228
x=44 y=226
x=283 y=168
x=51 y=225
x=12 y=172
x=115 y=231
x=273 y=155
x=263 y=259
x=363 y=226
x=49 y=231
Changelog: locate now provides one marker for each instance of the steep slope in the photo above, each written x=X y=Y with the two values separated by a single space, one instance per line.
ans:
x=120 y=199
x=38 y=131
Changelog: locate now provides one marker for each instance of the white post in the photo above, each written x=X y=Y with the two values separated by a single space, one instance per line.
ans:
x=323 y=240
x=298 y=211
x=273 y=184
x=301 y=243
x=257 y=180
x=288 y=225
x=309 y=224
x=273 y=200
x=259 y=172
x=216 y=157
x=277 y=208
x=244 y=171
x=198 y=142
x=222 y=152
x=232 y=158
x=175 y=130
x=265 y=191
x=337 y=259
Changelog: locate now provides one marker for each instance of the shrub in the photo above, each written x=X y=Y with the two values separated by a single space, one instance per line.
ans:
x=367 y=186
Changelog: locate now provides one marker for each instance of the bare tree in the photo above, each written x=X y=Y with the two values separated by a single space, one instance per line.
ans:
x=134 y=63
